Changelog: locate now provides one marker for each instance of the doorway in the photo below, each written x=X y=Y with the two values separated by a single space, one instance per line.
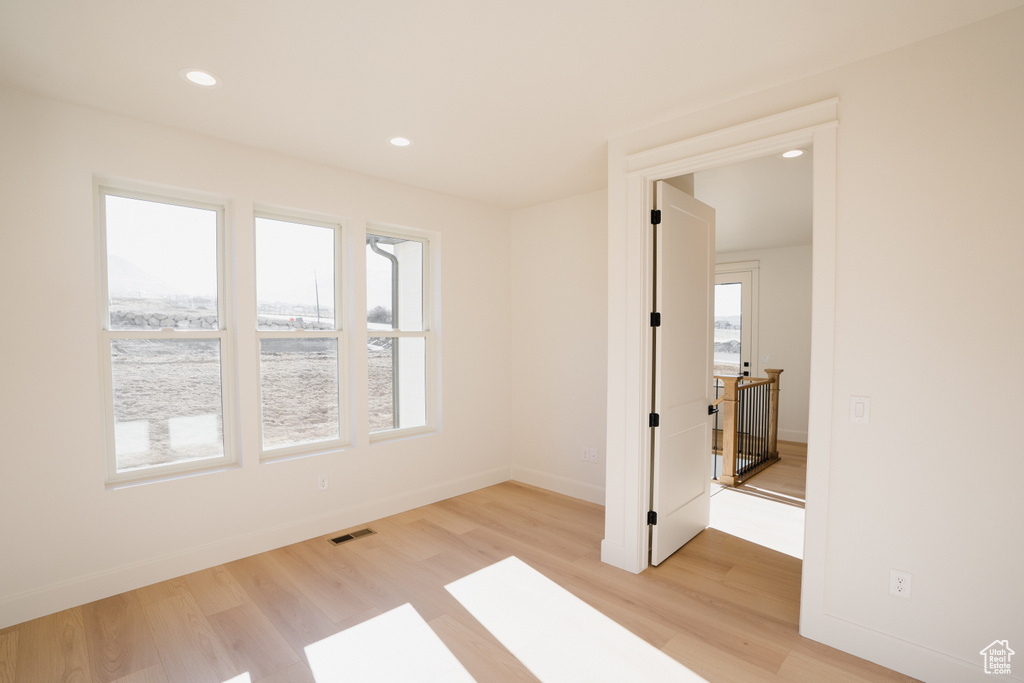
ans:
x=762 y=217
x=631 y=178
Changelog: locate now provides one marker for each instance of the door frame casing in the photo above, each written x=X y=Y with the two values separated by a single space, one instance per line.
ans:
x=631 y=187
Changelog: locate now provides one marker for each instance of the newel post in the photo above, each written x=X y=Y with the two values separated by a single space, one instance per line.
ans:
x=773 y=414
x=730 y=412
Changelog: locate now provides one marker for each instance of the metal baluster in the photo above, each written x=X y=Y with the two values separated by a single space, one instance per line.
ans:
x=760 y=427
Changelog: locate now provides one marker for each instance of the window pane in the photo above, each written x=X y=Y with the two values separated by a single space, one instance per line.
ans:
x=167 y=401
x=398 y=387
x=294 y=276
x=394 y=283
x=299 y=383
x=382 y=389
x=161 y=264
x=728 y=325
x=412 y=382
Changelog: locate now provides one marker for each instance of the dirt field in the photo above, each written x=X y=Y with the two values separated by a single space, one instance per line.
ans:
x=167 y=400
x=299 y=379
x=165 y=389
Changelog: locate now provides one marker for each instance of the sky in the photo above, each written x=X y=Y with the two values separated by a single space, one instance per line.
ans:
x=727 y=299
x=177 y=245
x=290 y=258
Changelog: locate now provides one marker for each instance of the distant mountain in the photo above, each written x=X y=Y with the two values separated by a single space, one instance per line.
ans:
x=126 y=280
x=733 y=320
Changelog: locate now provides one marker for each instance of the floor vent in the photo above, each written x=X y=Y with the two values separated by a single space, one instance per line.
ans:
x=352 y=536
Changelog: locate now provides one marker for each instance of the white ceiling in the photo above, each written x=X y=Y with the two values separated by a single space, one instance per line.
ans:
x=759 y=204
x=509 y=102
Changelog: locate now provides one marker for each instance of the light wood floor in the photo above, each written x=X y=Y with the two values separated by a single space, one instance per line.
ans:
x=724 y=607
x=767 y=509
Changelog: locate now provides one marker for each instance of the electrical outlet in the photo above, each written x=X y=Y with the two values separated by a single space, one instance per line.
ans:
x=899 y=584
x=321 y=482
x=592 y=455
x=585 y=457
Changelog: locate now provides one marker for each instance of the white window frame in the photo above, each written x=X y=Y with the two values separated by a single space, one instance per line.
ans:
x=430 y=242
x=223 y=334
x=340 y=333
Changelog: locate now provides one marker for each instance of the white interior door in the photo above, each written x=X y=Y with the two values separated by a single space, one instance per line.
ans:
x=683 y=348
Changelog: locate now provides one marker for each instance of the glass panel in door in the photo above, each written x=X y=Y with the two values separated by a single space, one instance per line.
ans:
x=728 y=328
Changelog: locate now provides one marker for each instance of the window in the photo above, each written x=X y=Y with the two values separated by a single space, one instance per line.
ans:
x=399 y=334
x=736 y=318
x=164 y=335
x=301 y=347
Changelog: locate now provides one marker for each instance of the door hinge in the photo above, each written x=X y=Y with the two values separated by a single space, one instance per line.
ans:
x=655 y=319
x=655 y=216
x=653 y=420
x=652 y=517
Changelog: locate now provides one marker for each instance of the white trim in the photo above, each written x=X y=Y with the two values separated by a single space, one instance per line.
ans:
x=760 y=137
x=16 y=609
x=737 y=266
x=340 y=333
x=626 y=544
x=223 y=334
x=752 y=270
x=819 y=419
x=553 y=482
x=431 y=288
x=900 y=655
x=395 y=434
x=795 y=435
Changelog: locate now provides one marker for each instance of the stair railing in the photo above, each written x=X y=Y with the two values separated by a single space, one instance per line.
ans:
x=749 y=410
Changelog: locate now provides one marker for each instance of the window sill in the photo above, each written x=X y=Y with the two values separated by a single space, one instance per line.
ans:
x=155 y=478
x=399 y=434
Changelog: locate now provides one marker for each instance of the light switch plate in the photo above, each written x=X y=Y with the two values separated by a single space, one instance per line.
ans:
x=860 y=409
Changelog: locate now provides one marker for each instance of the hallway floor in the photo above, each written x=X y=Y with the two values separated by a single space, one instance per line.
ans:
x=768 y=509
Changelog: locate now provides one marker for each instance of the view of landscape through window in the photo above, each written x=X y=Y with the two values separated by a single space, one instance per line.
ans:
x=167 y=339
x=299 y=371
x=728 y=321
x=394 y=303
x=162 y=275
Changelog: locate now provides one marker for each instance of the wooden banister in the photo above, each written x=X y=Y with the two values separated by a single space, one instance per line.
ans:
x=749 y=448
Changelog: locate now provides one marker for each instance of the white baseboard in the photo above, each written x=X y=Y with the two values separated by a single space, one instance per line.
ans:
x=16 y=609
x=908 y=658
x=614 y=554
x=563 y=485
x=793 y=435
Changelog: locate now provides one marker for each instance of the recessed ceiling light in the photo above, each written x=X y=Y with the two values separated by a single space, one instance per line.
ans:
x=401 y=142
x=199 y=77
x=793 y=153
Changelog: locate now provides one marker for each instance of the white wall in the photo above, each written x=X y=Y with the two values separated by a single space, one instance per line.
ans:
x=930 y=160
x=67 y=539
x=559 y=331
x=784 y=328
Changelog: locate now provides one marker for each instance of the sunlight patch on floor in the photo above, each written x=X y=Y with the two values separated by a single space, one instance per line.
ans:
x=557 y=636
x=759 y=519
x=395 y=646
